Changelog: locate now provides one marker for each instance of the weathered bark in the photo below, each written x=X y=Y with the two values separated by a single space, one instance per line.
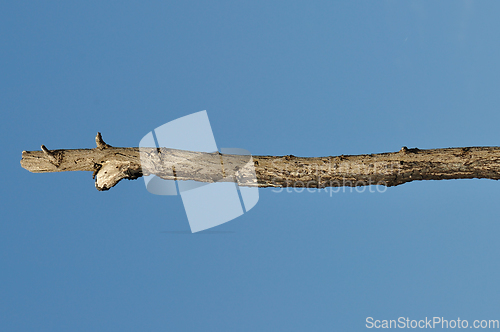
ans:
x=112 y=164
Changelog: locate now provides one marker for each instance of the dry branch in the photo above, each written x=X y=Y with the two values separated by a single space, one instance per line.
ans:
x=112 y=164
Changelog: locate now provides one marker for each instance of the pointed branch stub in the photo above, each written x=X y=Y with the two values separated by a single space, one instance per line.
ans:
x=50 y=155
x=101 y=145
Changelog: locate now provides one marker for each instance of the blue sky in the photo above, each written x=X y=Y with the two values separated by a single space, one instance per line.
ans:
x=302 y=78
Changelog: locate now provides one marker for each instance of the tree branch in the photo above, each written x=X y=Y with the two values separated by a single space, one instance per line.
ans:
x=112 y=164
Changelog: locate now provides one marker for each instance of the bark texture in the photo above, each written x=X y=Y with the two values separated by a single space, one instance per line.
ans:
x=112 y=164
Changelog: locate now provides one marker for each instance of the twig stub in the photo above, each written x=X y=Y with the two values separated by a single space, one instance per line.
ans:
x=51 y=156
x=100 y=142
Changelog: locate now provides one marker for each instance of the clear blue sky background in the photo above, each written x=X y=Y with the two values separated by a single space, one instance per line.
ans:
x=289 y=77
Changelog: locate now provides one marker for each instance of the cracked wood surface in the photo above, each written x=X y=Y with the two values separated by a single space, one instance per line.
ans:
x=112 y=164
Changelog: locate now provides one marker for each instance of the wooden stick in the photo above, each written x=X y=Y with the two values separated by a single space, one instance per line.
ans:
x=112 y=164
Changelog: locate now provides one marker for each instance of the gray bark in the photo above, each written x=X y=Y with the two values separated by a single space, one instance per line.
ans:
x=112 y=164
